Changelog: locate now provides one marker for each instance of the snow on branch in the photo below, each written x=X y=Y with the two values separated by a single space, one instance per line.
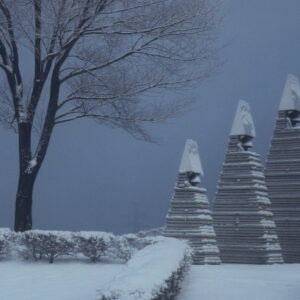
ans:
x=111 y=56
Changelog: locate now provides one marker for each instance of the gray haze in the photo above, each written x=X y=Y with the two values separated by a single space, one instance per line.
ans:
x=97 y=178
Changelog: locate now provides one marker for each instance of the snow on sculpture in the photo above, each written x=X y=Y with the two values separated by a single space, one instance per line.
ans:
x=243 y=124
x=190 y=161
x=189 y=216
x=242 y=217
x=283 y=171
x=290 y=99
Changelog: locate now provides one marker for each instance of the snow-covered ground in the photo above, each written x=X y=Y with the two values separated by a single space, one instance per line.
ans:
x=58 y=281
x=145 y=275
x=242 y=282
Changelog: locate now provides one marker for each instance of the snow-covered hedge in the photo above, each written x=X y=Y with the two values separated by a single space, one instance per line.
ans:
x=153 y=273
x=45 y=244
x=5 y=242
x=93 y=244
x=38 y=244
x=125 y=246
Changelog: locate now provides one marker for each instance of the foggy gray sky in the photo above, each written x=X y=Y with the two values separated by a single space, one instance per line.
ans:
x=96 y=178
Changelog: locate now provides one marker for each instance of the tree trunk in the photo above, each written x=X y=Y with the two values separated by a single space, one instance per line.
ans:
x=23 y=215
x=28 y=171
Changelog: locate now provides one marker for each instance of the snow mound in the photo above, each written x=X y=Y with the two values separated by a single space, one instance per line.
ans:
x=243 y=123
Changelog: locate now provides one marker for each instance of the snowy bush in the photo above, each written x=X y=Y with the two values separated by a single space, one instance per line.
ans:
x=93 y=244
x=125 y=246
x=38 y=244
x=43 y=244
x=5 y=242
x=153 y=273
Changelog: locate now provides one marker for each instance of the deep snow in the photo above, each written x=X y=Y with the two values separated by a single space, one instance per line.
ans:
x=242 y=282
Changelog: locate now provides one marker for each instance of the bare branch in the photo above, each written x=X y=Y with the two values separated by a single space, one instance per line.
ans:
x=103 y=59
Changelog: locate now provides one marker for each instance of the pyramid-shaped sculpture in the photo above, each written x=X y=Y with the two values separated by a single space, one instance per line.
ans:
x=283 y=171
x=242 y=217
x=189 y=216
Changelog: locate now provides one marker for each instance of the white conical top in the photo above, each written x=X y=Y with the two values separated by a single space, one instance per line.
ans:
x=290 y=99
x=190 y=161
x=243 y=123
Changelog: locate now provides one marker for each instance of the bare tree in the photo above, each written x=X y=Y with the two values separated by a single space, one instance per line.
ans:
x=64 y=60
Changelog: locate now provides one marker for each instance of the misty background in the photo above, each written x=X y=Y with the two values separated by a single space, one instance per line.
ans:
x=97 y=178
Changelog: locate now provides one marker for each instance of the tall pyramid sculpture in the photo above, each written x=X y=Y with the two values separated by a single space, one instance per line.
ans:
x=189 y=216
x=283 y=171
x=242 y=217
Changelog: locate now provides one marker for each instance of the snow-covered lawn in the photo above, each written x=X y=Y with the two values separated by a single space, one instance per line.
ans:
x=153 y=271
x=58 y=281
x=242 y=282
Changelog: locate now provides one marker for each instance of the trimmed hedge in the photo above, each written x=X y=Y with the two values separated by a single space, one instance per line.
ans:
x=5 y=243
x=49 y=245
x=154 y=273
x=93 y=244
x=39 y=244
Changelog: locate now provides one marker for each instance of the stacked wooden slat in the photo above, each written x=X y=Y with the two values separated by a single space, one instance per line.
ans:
x=189 y=216
x=242 y=216
x=283 y=172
